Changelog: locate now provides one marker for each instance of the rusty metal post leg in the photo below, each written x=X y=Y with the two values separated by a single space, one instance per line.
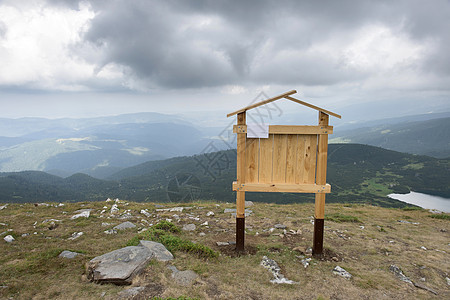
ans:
x=240 y=234
x=318 y=237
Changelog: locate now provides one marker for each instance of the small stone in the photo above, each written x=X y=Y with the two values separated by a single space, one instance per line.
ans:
x=204 y=224
x=306 y=262
x=25 y=234
x=222 y=243
x=334 y=258
x=248 y=203
x=9 y=239
x=110 y=231
x=130 y=293
x=210 y=214
x=124 y=225
x=108 y=200
x=75 y=235
x=114 y=209
x=3 y=206
x=189 y=227
x=229 y=210
x=448 y=280
x=423 y=248
x=396 y=270
x=202 y=234
x=82 y=213
x=361 y=227
x=105 y=224
x=68 y=254
x=273 y=267
x=280 y=226
x=341 y=272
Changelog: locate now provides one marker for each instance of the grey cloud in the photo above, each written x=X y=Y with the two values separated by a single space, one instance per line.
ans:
x=158 y=43
x=3 y=29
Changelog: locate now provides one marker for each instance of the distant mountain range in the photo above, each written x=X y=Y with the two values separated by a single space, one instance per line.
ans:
x=357 y=173
x=428 y=137
x=101 y=147
x=98 y=146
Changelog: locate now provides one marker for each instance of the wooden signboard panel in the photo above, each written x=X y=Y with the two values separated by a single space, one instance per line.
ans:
x=293 y=159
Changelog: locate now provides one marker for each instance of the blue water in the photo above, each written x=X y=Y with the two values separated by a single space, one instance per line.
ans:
x=424 y=201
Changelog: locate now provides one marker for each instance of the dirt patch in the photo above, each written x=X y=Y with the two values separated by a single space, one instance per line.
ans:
x=230 y=250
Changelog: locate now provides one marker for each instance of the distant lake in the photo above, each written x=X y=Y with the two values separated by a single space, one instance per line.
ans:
x=424 y=201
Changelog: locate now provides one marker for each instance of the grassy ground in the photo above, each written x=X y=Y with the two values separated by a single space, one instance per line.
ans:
x=364 y=240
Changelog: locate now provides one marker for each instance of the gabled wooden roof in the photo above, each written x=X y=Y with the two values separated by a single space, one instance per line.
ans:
x=288 y=96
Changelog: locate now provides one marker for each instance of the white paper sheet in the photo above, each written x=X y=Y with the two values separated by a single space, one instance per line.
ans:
x=258 y=131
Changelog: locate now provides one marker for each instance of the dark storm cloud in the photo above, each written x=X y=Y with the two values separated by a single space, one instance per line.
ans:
x=191 y=44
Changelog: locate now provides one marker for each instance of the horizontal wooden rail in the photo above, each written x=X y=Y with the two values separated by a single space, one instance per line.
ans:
x=282 y=188
x=289 y=129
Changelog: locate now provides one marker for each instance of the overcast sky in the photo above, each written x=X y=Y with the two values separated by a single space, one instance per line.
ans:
x=361 y=59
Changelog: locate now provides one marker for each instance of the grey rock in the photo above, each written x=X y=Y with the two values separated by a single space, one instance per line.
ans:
x=189 y=227
x=159 y=206
x=222 y=243
x=119 y=266
x=280 y=226
x=114 y=209
x=273 y=267
x=229 y=210
x=423 y=287
x=124 y=225
x=3 y=206
x=160 y=252
x=131 y=292
x=183 y=278
x=68 y=254
x=110 y=231
x=341 y=272
x=82 y=213
x=210 y=214
x=75 y=235
x=9 y=239
x=397 y=272
x=248 y=203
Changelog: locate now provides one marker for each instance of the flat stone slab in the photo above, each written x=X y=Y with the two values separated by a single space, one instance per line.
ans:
x=183 y=278
x=124 y=225
x=68 y=254
x=189 y=227
x=119 y=266
x=159 y=250
x=82 y=213
x=341 y=272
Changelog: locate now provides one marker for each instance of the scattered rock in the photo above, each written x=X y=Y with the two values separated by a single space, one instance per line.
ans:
x=222 y=243
x=202 y=234
x=423 y=287
x=104 y=224
x=248 y=203
x=210 y=214
x=341 y=272
x=397 y=272
x=9 y=239
x=273 y=267
x=306 y=261
x=75 y=235
x=108 y=200
x=183 y=278
x=119 y=266
x=82 y=213
x=280 y=226
x=124 y=225
x=110 y=231
x=114 y=209
x=146 y=213
x=407 y=222
x=131 y=292
x=159 y=206
x=204 y=224
x=448 y=280
x=53 y=225
x=229 y=210
x=189 y=227
x=41 y=204
x=68 y=254
x=361 y=227
x=160 y=252
x=423 y=248
x=3 y=206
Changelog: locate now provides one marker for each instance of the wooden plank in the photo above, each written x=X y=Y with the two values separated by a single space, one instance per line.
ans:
x=299 y=170
x=251 y=160
x=321 y=175
x=291 y=158
x=240 y=168
x=265 y=159
x=310 y=163
x=279 y=158
x=313 y=106
x=282 y=187
x=261 y=103
x=290 y=129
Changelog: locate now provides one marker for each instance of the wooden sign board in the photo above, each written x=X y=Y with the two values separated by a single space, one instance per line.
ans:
x=293 y=159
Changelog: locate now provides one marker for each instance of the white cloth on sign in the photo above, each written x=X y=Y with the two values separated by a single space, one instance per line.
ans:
x=258 y=131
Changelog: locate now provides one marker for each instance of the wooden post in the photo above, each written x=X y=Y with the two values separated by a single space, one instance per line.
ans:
x=240 y=195
x=321 y=178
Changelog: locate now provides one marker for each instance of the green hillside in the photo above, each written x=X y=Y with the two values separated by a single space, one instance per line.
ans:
x=357 y=173
x=430 y=137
